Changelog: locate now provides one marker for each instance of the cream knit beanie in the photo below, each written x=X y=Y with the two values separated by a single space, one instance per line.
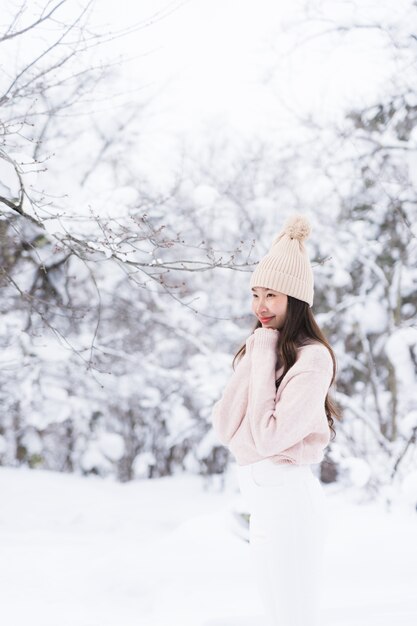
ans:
x=286 y=267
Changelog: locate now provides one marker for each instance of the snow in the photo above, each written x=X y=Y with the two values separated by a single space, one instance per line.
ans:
x=359 y=470
x=142 y=463
x=371 y=315
x=408 y=423
x=3 y=444
x=397 y=348
x=32 y=442
x=94 y=459
x=409 y=485
x=52 y=413
x=203 y=196
x=87 y=551
x=9 y=183
x=111 y=445
x=48 y=348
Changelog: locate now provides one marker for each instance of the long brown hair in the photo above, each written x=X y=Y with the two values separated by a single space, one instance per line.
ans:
x=300 y=328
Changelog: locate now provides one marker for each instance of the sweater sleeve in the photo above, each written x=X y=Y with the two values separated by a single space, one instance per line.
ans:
x=276 y=426
x=228 y=412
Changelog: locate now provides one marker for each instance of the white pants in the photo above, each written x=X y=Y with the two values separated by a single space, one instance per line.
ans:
x=287 y=533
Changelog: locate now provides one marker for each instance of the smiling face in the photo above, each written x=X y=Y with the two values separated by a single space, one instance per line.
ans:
x=267 y=303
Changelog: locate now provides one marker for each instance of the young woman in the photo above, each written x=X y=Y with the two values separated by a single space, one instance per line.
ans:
x=275 y=416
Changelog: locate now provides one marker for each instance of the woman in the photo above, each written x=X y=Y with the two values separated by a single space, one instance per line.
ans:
x=275 y=416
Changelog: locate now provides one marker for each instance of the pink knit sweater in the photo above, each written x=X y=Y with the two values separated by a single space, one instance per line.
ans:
x=289 y=425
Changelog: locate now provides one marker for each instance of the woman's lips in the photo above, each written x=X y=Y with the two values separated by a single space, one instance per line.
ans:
x=265 y=319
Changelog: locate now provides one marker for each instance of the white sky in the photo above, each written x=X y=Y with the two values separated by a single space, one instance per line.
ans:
x=216 y=53
x=246 y=67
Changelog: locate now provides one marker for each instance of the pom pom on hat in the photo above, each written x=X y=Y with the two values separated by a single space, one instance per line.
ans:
x=296 y=226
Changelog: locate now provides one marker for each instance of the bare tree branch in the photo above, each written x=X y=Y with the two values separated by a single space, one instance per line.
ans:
x=10 y=35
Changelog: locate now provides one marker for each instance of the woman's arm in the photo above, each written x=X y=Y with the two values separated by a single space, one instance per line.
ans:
x=278 y=426
x=228 y=412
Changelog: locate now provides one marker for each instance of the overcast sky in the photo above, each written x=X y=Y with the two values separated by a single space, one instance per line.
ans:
x=218 y=56
x=243 y=66
x=248 y=67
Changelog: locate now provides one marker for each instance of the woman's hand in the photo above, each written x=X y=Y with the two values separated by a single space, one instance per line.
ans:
x=264 y=338
x=261 y=330
x=260 y=334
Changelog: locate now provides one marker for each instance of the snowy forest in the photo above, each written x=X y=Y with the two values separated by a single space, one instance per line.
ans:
x=125 y=273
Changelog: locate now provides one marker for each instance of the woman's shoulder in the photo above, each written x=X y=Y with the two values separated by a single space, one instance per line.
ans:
x=312 y=354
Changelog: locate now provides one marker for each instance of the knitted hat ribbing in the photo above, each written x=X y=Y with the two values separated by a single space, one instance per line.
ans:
x=286 y=267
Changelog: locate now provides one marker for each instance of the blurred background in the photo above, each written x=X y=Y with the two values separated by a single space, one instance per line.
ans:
x=149 y=154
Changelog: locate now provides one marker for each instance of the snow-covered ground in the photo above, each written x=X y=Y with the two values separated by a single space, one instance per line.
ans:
x=92 y=552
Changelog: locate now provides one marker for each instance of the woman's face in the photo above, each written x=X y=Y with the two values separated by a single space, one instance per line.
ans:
x=267 y=303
